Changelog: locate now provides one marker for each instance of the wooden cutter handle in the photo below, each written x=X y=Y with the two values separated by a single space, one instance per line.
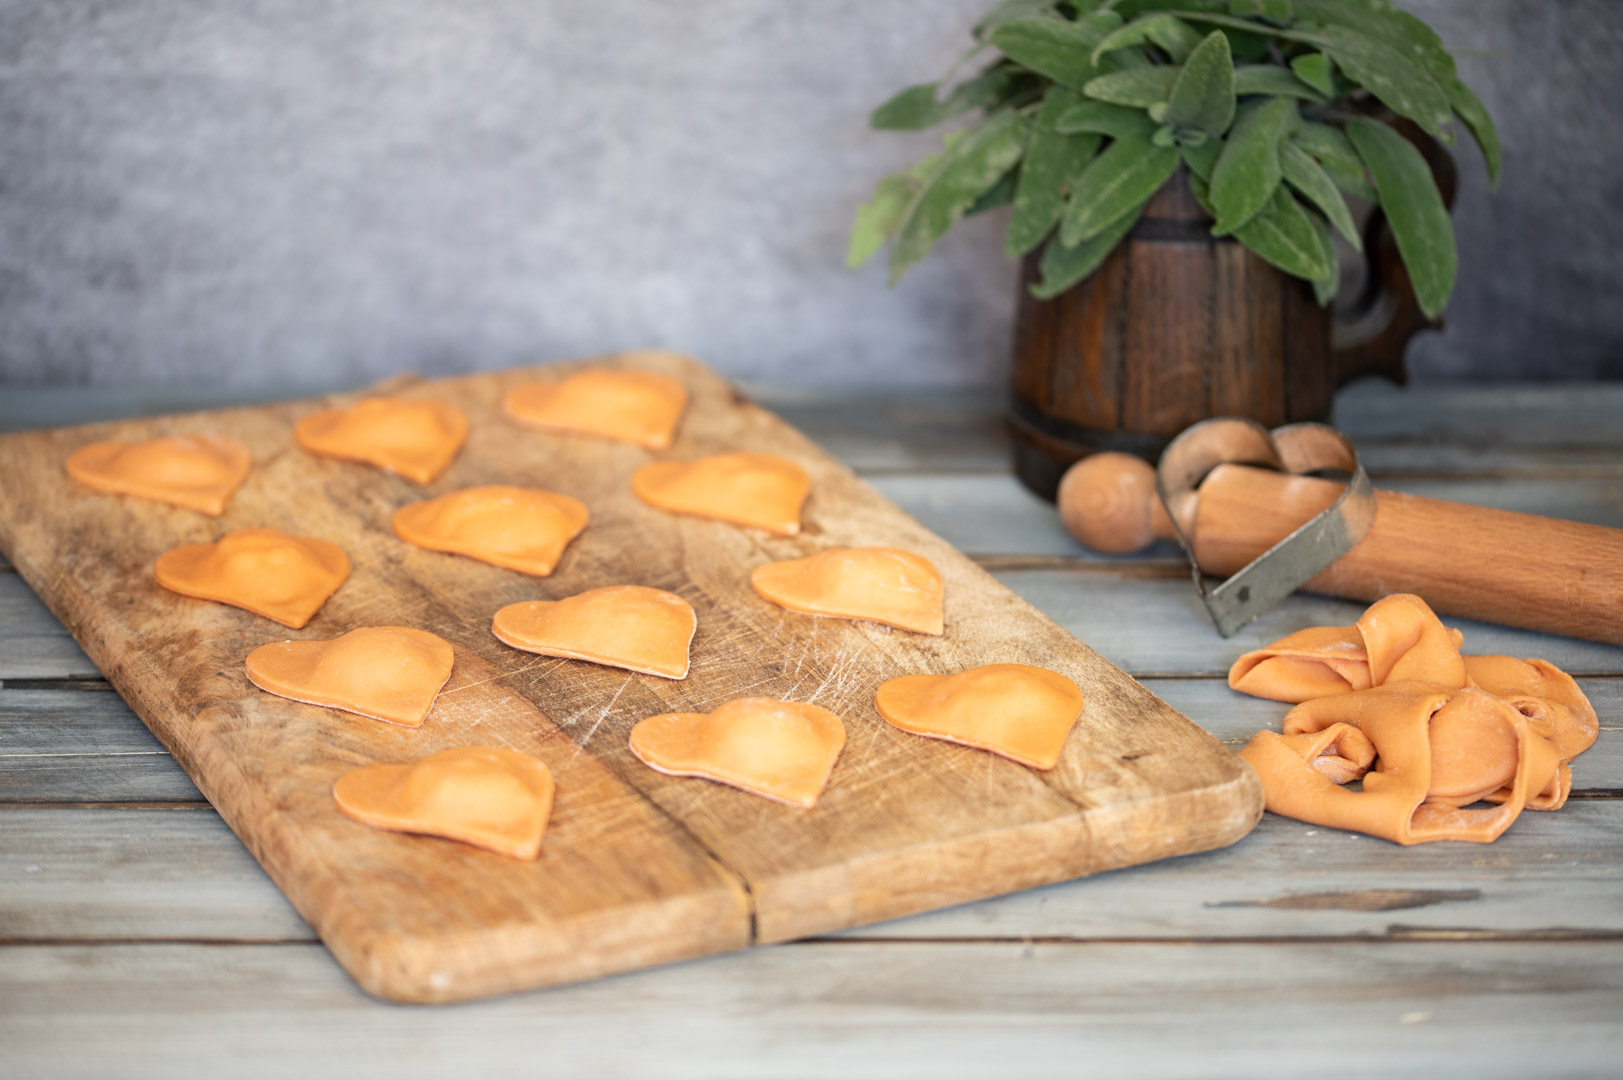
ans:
x=1562 y=577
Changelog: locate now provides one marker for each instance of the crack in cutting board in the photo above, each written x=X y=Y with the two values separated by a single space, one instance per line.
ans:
x=638 y=868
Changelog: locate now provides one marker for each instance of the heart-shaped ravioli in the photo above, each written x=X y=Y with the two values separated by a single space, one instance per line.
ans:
x=745 y=488
x=486 y=796
x=880 y=584
x=1023 y=713
x=416 y=438
x=199 y=472
x=639 y=407
x=625 y=626
x=783 y=750
x=516 y=528
x=282 y=577
x=390 y=673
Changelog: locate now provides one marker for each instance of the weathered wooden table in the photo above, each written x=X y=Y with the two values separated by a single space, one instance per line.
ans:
x=137 y=937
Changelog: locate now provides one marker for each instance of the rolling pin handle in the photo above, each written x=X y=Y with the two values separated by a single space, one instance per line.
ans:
x=1108 y=502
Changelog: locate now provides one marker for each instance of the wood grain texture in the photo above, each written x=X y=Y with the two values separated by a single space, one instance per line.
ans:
x=638 y=868
x=85 y=746
x=71 y=874
x=925 y=1010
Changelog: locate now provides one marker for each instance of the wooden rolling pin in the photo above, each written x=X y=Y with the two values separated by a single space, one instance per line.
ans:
x=1562 y=577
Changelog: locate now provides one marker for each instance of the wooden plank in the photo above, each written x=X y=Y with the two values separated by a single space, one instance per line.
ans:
x=33 y=643
x=1145 y=625
x=82 y=746
x=76 y=874
x=907 y=824
x=1576 y=414
x=1158 y=627
x=87 y=746
x=882 y=429
x=929 y=1010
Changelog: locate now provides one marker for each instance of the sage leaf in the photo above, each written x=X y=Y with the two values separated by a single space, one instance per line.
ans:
x=1400 y=84
x=1062 y=267
x=1139 y=87
x=878 y=218
x=1056 y=48
x=997 y=196
x=1202 y=96
x=1102 y=118
x=912 y=109
x=1330 y=145
x=1314 y=69
x=1053 y=160
x=1242 y=26
x=1478 y=122
x=1247 y=172
x=1315 y=185
x=1278 y=10
x=1174 y=36
x=1387 y=22
x=1203 y=158
x=1284 y=235
x=918 y=107
x=1414 y=209
x=1272 y=80
x=1013 y=11
x=1326 y=287
x=1121 y=178
x=962 y=174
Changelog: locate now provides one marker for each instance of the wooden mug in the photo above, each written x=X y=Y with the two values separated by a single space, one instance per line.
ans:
x=1178 y=326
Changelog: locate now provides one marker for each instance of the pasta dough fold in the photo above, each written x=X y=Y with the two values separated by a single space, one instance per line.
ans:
x=1390 y=701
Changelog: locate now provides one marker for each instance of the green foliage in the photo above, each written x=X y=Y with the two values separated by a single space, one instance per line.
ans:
x=1414 y=208
x=1273 y=107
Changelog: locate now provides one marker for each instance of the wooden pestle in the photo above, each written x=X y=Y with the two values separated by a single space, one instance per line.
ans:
x=1562 y=577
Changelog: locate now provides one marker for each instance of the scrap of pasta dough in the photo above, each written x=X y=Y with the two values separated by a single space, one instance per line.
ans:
x=390 y=673
x=783 y=750
x=624 y=626
x=516 y=528
x=745 y=488
x=282 y=577
x=1020 y=712
x=414 y=437
x=487 y=796
x=880 y=584
x=198 y=472
x=1400 y=631
x=640 y=407
x=1429 y=733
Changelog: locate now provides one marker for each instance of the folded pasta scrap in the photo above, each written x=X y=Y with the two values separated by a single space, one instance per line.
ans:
x=1391 y=702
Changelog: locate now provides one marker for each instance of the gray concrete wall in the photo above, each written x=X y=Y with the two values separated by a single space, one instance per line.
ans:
x=258 y=191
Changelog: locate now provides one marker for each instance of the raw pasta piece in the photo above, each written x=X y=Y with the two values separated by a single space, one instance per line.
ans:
x=1021 y=712
x=625 y=626
x=1399 y=637
x=286 y=578
x=1428 y=731
x=745 y=488
x=784 y=750
x=487 y=796
x=198 y=472
x=516 y=528
x=880 y=584
x=1435 y=750
x=640 y=407
x=390 y=673
x=415 y=437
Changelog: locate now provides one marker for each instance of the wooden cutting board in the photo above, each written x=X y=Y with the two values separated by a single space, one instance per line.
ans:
x=638 y=868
